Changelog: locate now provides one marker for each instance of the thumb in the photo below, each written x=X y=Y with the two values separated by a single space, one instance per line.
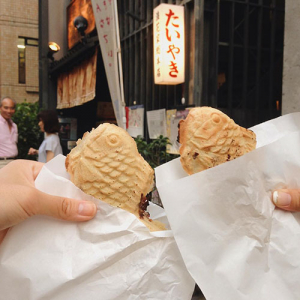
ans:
x=287 y=199
x=65 y=208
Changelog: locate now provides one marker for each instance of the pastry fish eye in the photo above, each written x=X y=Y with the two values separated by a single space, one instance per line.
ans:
x=216 y=118
x=113 y=140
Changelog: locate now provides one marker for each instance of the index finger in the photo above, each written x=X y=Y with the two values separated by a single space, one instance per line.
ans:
x=21 y=171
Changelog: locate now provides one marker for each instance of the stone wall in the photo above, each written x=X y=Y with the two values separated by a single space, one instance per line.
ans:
x=291 y=64
x=18 y=18
x=58 y=25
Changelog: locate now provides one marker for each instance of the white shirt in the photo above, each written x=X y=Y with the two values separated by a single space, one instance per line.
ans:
x=50 y=143
x=8 y=139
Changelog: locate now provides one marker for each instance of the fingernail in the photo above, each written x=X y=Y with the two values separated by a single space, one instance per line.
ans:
x=281 y=199
x=87 y=209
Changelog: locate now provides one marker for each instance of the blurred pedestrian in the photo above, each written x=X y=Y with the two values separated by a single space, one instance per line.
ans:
x=50 y=147
x=8 y=131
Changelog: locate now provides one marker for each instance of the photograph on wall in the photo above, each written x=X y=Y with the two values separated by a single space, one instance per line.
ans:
x=135 y=120
x=156 y=121
x=68 y=128
x=173 y=117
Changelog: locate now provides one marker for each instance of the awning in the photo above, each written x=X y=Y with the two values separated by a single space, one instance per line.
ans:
x=77 y=86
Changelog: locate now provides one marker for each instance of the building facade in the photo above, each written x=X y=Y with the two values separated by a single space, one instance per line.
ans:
x=234 y=59
x=291 y=67
x=19 y=51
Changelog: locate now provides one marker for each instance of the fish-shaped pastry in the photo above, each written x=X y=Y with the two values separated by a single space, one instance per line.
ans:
x=208 y=137
x=106 y=164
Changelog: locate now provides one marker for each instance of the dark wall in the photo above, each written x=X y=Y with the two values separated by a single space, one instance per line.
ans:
x=86 y=114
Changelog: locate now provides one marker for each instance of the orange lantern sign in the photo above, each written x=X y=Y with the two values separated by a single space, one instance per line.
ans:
x=168 y=35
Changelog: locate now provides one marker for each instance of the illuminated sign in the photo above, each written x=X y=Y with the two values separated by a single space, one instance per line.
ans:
x=168 y=41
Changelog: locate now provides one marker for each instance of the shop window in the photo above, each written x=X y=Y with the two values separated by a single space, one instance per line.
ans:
x=23 y=42
x=21 y=58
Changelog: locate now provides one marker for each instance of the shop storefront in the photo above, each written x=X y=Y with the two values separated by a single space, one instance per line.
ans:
x=233 y=59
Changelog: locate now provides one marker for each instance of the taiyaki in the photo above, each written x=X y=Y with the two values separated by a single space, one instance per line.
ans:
x=208 y=137
x=107 y=165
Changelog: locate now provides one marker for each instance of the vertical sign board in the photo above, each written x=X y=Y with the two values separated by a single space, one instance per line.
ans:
x=107 y=28
x=168 y=41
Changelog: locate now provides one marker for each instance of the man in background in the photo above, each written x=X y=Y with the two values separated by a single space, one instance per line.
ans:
x=8 y=131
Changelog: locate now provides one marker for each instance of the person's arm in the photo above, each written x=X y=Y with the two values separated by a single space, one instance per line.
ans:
x=49 y=155
x=20 y=199
x=287 y=199
x=16 y=134
x=33 y=151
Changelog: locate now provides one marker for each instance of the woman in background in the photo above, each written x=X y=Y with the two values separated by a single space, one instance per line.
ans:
x=50 y=147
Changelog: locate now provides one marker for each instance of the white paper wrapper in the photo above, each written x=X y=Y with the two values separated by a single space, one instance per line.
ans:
x=113 y=256
x=235 y=244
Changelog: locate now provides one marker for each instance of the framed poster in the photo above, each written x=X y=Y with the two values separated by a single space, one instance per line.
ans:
x=136 y=120
x=156 y=121
x=68 y=128
x=173 y=118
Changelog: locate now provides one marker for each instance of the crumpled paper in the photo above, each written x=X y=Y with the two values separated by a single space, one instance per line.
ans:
x=113 y=256
x=234 y=242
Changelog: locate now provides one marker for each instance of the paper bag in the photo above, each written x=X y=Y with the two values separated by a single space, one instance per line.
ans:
x=113 y=256
x=234 y=242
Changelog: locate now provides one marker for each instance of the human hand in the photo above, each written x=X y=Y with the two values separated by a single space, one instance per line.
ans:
x=21 y=200
x=287 y=199
x=32 y=151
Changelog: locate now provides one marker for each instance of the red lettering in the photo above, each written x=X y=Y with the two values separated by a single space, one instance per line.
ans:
x=157 y=16
x=173 y=69
x=168 y=35
x=173 y=49
x=170 y=16
x=158 y=38
x=158 y=72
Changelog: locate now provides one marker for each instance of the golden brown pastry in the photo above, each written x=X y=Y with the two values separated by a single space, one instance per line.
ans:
x=107 y=165
x=208 y=138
